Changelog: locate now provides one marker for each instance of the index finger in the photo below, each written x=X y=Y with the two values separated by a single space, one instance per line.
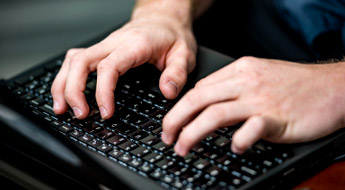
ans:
x=108 y=72
x=193 y=102
x=80 y=66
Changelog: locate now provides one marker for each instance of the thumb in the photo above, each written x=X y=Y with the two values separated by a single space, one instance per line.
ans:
x=174 y=76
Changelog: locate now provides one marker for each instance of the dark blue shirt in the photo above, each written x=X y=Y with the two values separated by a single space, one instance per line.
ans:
x=320 y=23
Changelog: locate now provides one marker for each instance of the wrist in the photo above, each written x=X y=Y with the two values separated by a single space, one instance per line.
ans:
x=169 y=10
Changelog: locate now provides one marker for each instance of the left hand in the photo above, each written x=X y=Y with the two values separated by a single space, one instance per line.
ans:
x=282 y=102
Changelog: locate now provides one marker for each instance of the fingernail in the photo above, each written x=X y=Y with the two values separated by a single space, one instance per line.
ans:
x=172 y=85
x=77 y=112
x=179 y=149
x=165 y=138
x=56 y=105
x=236 y=150
x=103 y=111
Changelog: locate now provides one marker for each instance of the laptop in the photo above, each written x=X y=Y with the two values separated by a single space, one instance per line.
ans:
x=126 y=152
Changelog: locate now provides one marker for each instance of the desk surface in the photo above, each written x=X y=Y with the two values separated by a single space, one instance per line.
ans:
x=333 y=177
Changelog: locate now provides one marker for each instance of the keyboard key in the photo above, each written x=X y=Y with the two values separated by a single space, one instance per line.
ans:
x=153 y=157
x=177 y=184
x=163 y=103
x=65 y=128
x=125 y=129
x=248 y=170
x=56 y=124
x=27 y=97
x=115 y=153
x=211 y=154
x=211 y=137
x=164 y=163
x=146 y=108
x=149 y=126
x=167 y=179
x=93 y=128
x=113 y=123
x=127 y=115
x=157 y=173
x=213 y=170
x=150 y=96
x=188 y=176
x=94 y=143
x=42 y=90
x=222 y=131
x=76 y=133
x=37 y=102
x=138 y=134
x=81 y=123
x=47 y=108
x=158 y=115
x=128 y=146
x=104 y=148
x=201 y=164
x=140 y=151
x=189 y=158
x=199 y=148
x=161 y=146
x=135 y=163
x=125 y=158
x=85 y=138
x=222 y=142
x=116 y=140
x=91 y=85
x=150 y=140
x=177 y=170
x=47 y=78
x=225 y=160
x=32 y=85
x=146 y=168
x=104 y=134
x=137 y=120
x=157 y=131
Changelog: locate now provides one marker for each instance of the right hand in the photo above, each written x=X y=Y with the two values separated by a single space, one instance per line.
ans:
x=159 y=40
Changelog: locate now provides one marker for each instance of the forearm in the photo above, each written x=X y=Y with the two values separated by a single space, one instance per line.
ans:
x=183 y=10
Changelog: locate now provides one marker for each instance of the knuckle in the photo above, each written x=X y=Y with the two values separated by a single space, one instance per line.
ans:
x=216 y=113
x=244 y=63
x=70 y=96
x=77 y=59
x=192 y=97
x=200 y=83
x=105 y=64
x=179 y=73
x=257 y=124
x=187 y=139
x=71 y=52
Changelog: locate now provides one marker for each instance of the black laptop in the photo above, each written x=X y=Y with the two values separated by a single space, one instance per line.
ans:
x=126 y=152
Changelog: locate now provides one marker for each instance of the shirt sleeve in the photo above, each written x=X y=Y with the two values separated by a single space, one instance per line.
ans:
x=320 y=23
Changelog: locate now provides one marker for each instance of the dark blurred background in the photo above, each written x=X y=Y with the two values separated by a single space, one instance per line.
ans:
x=32 y=31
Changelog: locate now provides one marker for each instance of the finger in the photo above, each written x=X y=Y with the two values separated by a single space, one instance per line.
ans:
x=214 y=117
x=58 y=87
x=229 y=71
x=256 y=128
x=80 y=66
x=179 y=64
x=215 y=77
x=108 y=72
x=192 y=103
x=75 y=86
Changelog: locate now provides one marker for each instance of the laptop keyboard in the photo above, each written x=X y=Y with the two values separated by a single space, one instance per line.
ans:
x=132 y=137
